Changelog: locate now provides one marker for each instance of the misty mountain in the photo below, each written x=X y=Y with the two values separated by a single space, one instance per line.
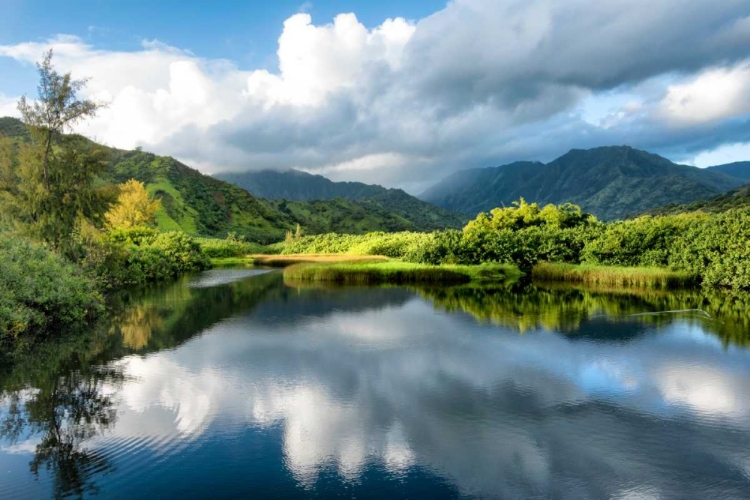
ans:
x=610 y=182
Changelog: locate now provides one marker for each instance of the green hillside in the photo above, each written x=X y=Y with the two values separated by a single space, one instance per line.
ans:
x=301 y=186
x=736 y=198
x=739 y=169
x=610 y=182
x=202 y=205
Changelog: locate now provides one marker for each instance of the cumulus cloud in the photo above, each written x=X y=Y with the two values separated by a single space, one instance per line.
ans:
x=475 y=84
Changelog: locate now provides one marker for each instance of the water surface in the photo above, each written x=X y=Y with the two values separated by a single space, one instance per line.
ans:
x=232 y=383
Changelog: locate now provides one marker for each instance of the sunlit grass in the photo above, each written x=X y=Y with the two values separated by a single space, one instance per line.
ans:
x=638 y=277
x=288 y=260
x=398 y=272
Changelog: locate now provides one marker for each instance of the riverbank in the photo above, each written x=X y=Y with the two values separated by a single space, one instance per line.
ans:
x=398 y=272
x=632 y=277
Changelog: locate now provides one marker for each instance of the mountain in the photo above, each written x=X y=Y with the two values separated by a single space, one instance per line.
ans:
x=610 y=182
x=740 y=169
x=736 y=198
x=202 y=205
x=295 y=185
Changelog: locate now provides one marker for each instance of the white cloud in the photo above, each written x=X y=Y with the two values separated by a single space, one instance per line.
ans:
x=477 y=83
x=728 y=153
x=713 y=95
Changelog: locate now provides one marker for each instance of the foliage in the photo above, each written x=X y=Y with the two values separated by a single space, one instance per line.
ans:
x=52 y=214
x=131 y=256
x=641 y=277
x=56 y=109
x=232 y=246
x=41 y=293
x=711 y=248
x=134 y=207
x=397 y=272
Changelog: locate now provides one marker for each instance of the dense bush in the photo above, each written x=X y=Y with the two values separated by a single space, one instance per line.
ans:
x=232 y=246
x=41 y=293
x=141 y=255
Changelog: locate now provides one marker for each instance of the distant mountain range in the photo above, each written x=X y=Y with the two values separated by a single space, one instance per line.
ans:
x=294 y=185
x=610 y=182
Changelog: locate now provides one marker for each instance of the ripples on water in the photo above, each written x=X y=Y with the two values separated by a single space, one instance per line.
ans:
x=232 y=384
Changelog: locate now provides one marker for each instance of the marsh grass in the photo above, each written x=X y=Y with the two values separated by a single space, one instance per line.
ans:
x=288 y=260
x=636 y=277
x=397 y=272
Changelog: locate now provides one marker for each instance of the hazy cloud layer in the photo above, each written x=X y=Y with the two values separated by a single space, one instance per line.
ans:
x=478 y=83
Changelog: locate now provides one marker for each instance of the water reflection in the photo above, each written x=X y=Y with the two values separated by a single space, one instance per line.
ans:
x=236 y=385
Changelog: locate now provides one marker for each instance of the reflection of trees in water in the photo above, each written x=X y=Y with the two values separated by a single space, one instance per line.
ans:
x=565 y=308
x=63 y=412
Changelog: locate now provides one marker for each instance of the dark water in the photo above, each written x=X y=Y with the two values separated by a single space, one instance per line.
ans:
x=233 y=384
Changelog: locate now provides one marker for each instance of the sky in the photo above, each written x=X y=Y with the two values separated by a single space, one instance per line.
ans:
x=391 y=92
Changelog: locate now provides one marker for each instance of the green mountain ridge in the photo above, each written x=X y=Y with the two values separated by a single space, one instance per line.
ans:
x=739 y=169
x=736 y=198
x=297 y=186
x=203 y=205
x=611 y=182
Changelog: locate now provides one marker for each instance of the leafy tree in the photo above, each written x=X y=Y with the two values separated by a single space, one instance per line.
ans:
x=47 y=185
x=298 y=233
x=134 y=207
x=56 y=110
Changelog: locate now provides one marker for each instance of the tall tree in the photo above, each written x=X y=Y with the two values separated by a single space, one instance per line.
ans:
x=47 y=184
x=56 y=109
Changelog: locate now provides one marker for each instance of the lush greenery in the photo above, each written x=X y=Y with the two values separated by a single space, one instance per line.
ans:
x=397 y=272
x=40 y=292
x=610 y=182
x=711 y=248
x=641 y=277
x=67 y=233
x=736 y=198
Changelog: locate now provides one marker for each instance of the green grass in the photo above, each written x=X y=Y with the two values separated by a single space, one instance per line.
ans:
x=637 y=277
x=397 y=272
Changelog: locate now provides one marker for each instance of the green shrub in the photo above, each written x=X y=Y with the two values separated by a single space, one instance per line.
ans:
x=41 y=294
x=230 y=247
x=142 y=255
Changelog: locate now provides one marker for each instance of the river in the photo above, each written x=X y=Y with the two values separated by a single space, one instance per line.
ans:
x=232 y=383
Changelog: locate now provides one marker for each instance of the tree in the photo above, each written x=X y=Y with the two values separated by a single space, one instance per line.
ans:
x=134 y=207
x=57 y=108
x=298 y=233
x=48 y=183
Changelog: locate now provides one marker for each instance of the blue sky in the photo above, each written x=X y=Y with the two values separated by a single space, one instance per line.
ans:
x=398 y=93
x=243 y=31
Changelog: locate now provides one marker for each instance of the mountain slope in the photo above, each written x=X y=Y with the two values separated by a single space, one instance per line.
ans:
x=294 y=185
x=736 y=198
x=610 y=182
x=202 y=205
x=740 y=169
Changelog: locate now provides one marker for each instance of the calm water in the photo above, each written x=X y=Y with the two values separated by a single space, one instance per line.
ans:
x=234 y=384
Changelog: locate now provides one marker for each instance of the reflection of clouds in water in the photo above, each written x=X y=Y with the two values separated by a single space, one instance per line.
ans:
x=499 y=413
